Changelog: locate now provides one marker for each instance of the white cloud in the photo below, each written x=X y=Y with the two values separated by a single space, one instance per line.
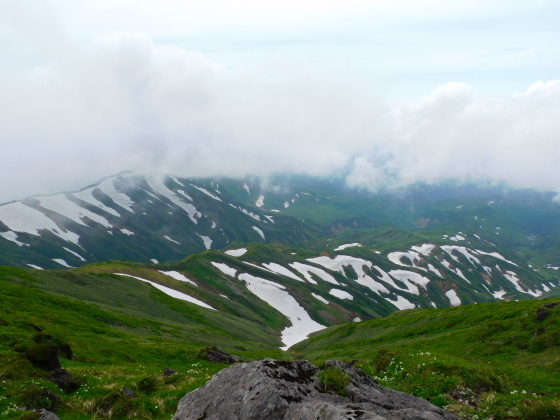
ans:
x=90 y=109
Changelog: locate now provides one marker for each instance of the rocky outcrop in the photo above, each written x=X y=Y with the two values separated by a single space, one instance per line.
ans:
x=216 y=355
x=297 y=390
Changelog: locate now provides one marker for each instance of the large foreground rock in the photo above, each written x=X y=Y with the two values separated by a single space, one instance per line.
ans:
x=281 y=390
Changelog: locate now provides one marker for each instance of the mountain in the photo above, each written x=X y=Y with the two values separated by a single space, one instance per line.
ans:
x=125 y=337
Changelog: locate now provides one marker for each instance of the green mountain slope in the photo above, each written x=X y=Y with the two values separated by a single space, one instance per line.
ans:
x=495 y=360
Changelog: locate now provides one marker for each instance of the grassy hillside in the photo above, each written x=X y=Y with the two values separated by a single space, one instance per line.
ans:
x=122 y=333
x=495 y=360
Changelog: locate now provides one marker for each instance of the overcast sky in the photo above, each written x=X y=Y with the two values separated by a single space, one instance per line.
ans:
x=387 y=92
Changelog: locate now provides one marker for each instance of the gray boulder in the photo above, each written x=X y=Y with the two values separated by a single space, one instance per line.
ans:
x=290 y=390
x=46 y=415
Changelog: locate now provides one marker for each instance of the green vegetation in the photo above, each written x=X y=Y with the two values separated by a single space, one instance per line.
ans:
x=107 y=346
x=497 y=360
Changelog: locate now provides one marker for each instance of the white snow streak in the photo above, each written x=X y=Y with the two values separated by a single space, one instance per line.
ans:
x=341 y=294
x=158 y=186
x=74 y=253
x=260 y=232
x=320 y=298
x=12 y=236
x=279 y=269
x=236 y=252
x=178 y=276
x=172 y=240
x=62 y=205
x=305 y=269
x=224 y=268
x=341 y=247
x=260 y=201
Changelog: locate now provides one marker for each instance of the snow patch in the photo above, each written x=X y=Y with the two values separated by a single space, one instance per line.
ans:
x=12 y=237
x=171 y=292
x=74 y=253
x=158 y=186
x=401 y=303
x=453 y=298
x=62 y=262
x=62 y=205
x=176 y=180
x=224 y=268
x=341 y=247
x=341 y=294
x=208 y=193
x=21 y=218
x=236 y=252
x=154 y=261
x=305 y=269
x=36 y=267
x=206 y=239
x=247 y=188
x=172 y=240
x=424 y=249
x=127 y=232
x=178 y=276
x=410 y=279
x=279 y=269
x=120 y=199
x=260 y=201
x=499 y=294
x=396 y=258
x=338 y=263
x=260 y=232
x=276 y=296
x=495 y=255
x=320 y=298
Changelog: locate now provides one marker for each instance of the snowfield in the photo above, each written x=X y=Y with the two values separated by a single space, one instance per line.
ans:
x=276 y=296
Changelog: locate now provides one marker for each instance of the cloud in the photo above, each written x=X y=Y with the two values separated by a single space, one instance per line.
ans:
x=121 y=102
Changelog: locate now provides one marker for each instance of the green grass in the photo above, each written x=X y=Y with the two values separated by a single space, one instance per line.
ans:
x=113 y=346
x=503 y=357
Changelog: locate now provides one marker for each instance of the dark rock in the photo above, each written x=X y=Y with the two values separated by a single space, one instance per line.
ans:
x=539 y=331
x=46 y=415
x=216 y=355
x=167 y=372
x=64 y=347
x=542 y=315
x=64 y=380
x=129 y=393
x=289 y=390
x=36 y=327
x=551 y=305
x=54 y=398
x=43 y=356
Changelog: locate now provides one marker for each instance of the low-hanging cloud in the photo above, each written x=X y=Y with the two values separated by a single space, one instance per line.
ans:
x=122 y=102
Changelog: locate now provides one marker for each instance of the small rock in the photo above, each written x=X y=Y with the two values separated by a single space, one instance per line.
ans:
x=129 y=393
x=36 y=327
x=216 y=355
x=46 y=415
x=44 y=356
x=167 y=372
x=551 y=305
x=542 y=315
x=54 y=399
x=64 y=380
